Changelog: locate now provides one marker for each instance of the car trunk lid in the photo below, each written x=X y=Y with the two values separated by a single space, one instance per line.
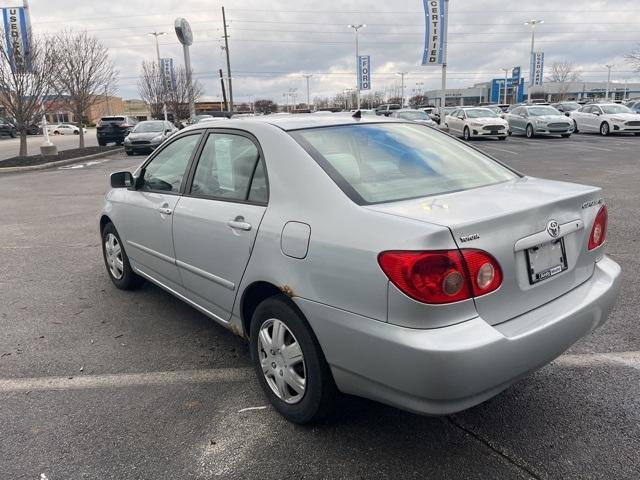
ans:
x=507 y=220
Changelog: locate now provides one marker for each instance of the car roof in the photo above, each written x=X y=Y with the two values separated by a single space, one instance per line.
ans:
x=300 y=121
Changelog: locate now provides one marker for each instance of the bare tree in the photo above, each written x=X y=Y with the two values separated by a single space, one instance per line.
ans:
x=24 y=84
x=152 y=88
x=633 y=58
x=418 y=100
x=178 y=97
x=84 y=72
x=564 y=73
x=265 y=106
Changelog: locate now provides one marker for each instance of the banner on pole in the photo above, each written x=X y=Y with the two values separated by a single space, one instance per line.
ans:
x=515 y=74
x=168 y=73
x=364 y=72
x=435 y=31
x=537 y=69
x=17 y=38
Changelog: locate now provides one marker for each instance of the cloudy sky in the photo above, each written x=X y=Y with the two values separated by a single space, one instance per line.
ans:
x=272 y=43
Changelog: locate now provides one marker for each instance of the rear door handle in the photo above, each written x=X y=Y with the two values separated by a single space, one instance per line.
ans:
x=165 y=211
x=239 y=224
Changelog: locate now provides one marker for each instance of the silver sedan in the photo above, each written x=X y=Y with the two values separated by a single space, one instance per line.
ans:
x=365 y=255
x=533 y=120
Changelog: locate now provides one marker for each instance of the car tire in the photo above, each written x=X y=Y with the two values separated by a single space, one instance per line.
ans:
x=101 y=144
x=319 y=393
x=76 y=133
x=129 y=152
x=13 y=134
x=502 y=138
x=565 y=135
x=575 y=127
x=604 y=129
x=466 y=134
x=529 y=131
x=56 y=132
x=116 y=261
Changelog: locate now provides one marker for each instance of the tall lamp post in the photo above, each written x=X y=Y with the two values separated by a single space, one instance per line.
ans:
x=609 y=67
x=401 y=74
x=156 y=35
x=357 y=27
x=307 y=76
x=506 y=79
x=532 y=23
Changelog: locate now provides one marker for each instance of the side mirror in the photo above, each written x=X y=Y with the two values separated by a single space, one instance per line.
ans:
x=121 y=180
x=167 y=131
x=597 y=114
x=567 y=114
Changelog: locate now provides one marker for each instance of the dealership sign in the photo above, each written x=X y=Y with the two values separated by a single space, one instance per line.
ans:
x=168 y=73
x=537 y=68
x=435 y=32
x=364 y=72
x=17 y=37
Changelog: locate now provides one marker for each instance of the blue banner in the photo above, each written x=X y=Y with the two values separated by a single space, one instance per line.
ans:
x=435 y=32
x=515 y=73
x=364 y=72
x=17 y=37
x=168 y=73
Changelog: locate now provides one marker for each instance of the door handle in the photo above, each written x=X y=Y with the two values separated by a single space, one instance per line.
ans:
x=239 y=224
x=165 y=211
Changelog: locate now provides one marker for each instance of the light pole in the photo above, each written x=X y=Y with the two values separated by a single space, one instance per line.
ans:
x=357 y=27
x=293 y=95
x=307 y=76
x=156 y=35
x=506 y=76
x=402 y=74
x=533 y=24
x=609 y=67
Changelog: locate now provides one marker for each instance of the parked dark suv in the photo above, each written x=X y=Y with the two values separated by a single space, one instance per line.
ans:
x=114 y=129
x=7 y=128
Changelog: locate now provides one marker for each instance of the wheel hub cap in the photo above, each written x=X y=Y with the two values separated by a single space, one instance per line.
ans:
x=282 y=361
x=113 y=256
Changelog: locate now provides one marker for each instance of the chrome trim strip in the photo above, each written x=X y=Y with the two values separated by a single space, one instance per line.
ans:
x=206 y=275
x=159 y=255
x=182 y=297
x=543 y=237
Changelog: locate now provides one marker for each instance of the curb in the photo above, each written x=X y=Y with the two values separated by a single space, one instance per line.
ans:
x=58 y=163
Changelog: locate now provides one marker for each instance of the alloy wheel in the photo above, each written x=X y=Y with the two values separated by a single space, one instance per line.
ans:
x=113 y=254
x=282 y=361
x=604 y=128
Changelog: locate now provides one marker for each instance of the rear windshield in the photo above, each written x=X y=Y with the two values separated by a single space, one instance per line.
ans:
x=112 y=119
x=387 y=162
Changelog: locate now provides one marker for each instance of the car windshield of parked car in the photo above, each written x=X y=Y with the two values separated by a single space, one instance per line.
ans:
x=148 y=127
x=388 y=162
x=417 y=115
x=569 y=107
x=540 y=111
x=480 y=113
x=615 y=109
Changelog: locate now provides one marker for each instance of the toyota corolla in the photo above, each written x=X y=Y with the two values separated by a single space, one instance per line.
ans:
x=369 y=256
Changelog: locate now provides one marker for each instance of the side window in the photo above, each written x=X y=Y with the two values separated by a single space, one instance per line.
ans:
x=226 y=168
x=258 y=192
x=166 y=170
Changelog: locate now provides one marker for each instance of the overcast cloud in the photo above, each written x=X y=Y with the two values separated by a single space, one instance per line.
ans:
x=273 y=42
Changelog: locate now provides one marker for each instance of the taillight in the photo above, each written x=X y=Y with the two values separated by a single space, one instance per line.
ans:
x=599 y=230
x=442 y=276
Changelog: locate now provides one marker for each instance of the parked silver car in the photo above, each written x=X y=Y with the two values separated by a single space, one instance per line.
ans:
x=146 y=136
x=367 y=255
x=412 y=115
x=532 y=120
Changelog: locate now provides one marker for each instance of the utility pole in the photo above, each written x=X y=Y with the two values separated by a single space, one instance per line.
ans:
x=533 y=24
x=357 y=27
x=443 y=95
x=307 y=76
x=402 y=74
x=609 y=67
x=224 y=92
x=226 y=49
x=506 y=79
x=156 y=35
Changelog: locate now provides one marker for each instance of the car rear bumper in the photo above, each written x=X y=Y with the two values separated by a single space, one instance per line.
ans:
x=444 y=370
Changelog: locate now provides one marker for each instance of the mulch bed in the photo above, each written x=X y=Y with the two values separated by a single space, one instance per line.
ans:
x=63 y=155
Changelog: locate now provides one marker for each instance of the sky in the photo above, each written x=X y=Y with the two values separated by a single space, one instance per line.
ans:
x=272 y=43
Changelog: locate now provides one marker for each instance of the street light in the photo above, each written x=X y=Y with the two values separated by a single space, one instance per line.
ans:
x=357 y=27
x=307 y=76
x=533 y=24
x=401 y=74
x=609 y=67
x=506 y=75
x=156 y=35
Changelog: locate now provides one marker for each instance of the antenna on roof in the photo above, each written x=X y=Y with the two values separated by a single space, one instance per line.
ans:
x=357 y=114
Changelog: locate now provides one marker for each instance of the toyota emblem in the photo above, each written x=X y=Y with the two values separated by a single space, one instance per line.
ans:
x=553 y=228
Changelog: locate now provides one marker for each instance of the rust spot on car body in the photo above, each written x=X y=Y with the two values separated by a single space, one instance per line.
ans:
x=287 y=290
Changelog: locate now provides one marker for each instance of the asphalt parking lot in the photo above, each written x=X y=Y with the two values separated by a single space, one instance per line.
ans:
x=101 y=383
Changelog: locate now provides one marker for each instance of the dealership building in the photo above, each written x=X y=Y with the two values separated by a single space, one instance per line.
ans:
x=493 y=92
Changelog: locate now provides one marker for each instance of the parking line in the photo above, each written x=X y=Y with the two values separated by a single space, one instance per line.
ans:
x=126 y=380
x=225 y=375
x=501 y=149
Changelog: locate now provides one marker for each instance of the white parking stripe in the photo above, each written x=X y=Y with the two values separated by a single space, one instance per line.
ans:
x=222 y=375
x=501 y=149
x=125 y=380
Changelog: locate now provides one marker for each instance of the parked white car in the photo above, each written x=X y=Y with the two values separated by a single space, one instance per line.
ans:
x=606 y=118
x=476 y=122
x=65 y=129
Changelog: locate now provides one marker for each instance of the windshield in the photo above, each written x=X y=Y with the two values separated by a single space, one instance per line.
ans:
x=417 y=115
x=387 y=162
x=569 y=107
x=615 y=109
x=480 y=112
x=148 y=127
x=539 y=111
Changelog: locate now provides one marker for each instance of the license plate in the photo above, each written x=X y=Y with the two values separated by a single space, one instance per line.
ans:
x=546 y=260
